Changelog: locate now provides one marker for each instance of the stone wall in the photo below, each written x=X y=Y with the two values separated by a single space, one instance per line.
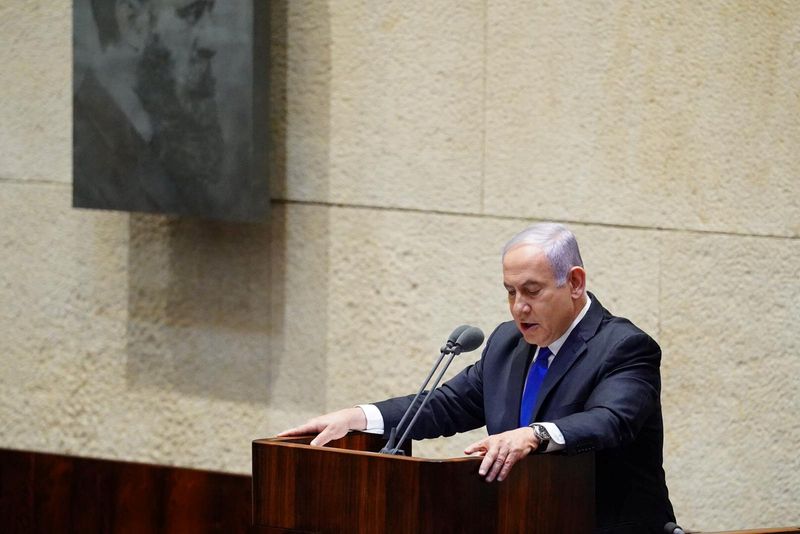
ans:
x=409 y=141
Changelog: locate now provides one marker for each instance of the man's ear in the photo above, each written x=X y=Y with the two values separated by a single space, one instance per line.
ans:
x=577 y=282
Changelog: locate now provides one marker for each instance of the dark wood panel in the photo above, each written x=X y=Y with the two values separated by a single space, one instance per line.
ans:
x=46 y=493
x=340 y=491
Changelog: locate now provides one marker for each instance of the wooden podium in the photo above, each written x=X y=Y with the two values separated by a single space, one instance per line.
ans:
x=346 y=488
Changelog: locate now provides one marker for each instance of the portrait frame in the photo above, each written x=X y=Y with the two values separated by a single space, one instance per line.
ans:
x=170 y=107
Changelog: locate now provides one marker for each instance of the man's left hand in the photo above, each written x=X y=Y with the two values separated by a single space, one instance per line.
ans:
x=501 y=451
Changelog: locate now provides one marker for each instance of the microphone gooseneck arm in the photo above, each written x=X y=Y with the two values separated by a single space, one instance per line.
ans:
x=468 y=338
x=426 y=399
x=392 y=444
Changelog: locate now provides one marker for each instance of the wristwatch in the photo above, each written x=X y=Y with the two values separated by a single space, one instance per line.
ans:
x=542 y=435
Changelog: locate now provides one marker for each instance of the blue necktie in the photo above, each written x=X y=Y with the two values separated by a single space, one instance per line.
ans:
x=534 y=381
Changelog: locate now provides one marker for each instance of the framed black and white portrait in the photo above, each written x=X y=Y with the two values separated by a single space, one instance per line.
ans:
x=170 y=107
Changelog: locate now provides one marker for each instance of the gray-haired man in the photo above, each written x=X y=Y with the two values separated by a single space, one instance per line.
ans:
x=565 y=374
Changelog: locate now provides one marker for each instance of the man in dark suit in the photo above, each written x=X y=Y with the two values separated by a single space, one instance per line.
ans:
x=565 y=374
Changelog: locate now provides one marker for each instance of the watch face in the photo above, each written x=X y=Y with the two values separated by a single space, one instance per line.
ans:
x=541 y=432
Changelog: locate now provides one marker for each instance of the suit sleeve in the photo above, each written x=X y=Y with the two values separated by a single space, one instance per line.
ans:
x=626 y=394
x=455 y=406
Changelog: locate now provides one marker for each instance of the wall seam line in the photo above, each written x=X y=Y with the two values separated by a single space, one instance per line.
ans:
x=480 y=215
x=483 y=104
x=474 y=215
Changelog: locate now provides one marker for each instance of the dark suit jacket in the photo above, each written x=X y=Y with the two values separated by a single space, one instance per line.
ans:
x=113 y=166
x=602 y=391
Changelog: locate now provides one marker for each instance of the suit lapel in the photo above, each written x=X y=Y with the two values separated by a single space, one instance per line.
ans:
x=520 y=358
x=573 y=348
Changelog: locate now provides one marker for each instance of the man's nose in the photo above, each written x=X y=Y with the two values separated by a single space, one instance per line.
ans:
x=521 y=306
x=204 y=35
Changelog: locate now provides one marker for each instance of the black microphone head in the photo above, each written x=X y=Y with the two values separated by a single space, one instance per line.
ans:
x=469 y=340
x=455 y=333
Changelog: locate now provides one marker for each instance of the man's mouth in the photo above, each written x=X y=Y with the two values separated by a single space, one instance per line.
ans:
x=527 y=326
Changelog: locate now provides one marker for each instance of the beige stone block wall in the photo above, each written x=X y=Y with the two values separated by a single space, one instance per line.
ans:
x=675 y=113
x=35 y=64
x=409 y=141
x=729 y=331
x=155 y=339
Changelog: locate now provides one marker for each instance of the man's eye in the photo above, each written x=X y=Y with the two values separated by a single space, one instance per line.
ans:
x=192 y=12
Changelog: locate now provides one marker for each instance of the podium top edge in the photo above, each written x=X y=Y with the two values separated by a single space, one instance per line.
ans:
x=292 y=443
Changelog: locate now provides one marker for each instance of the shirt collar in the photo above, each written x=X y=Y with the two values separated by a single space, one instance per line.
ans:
x=556 y=345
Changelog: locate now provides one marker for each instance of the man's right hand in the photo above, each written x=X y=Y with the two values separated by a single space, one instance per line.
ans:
x=330 y=426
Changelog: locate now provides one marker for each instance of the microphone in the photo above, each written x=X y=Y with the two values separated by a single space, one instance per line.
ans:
x=468 y=340
x=464 y=338
x=453 y=337
x=673 y=528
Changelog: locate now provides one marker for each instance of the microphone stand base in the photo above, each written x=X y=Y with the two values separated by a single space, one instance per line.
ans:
x=394 y=451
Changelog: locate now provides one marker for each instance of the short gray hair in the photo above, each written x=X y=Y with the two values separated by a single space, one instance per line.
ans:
x=558 y=244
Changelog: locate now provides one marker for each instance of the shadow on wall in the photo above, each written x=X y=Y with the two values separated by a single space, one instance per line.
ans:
x=199 y=297
x=208 y=309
